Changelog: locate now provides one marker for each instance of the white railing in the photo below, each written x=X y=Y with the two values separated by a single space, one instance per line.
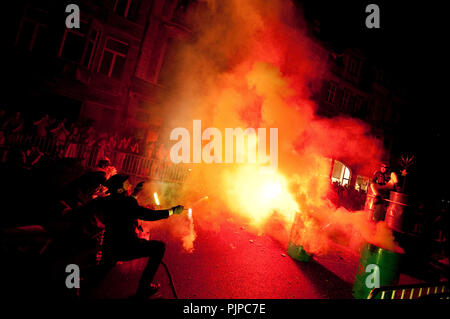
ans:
x=126 y=163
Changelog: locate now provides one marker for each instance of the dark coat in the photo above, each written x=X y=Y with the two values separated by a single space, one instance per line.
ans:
x=121 y=214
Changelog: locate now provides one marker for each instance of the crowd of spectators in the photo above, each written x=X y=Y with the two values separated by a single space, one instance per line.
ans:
x=348 y=197
x=71 y=139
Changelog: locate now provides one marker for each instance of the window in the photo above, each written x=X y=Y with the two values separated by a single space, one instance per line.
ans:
x=345 y=98
x=357 y=103
x=126 y=9
x=340 y=173
x=166 y=73
x=331 y=93
x=113 y=58
x=346 y=177
x=33 y=31
x=73 y=43
x=361 y=183
x=90 y=47
x=353 y=66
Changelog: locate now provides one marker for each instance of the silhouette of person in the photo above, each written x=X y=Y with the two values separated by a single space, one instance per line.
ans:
x=383 y=181
x=120 y=243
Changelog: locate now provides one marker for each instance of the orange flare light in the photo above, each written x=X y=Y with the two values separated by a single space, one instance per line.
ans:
x=155 y=196
x=257 y=193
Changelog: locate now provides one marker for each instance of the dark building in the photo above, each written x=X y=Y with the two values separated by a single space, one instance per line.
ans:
x=358 y=86
x=106 y=72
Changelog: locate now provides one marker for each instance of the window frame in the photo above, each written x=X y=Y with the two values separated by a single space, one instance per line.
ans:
x=334 y=86
x=115 y=53
x=37 y=26
x=127 y=9
x=346 y=96
x=365 y=182
x=343 y=178
x=95 y=43
x=353 y=66
x=78 y=33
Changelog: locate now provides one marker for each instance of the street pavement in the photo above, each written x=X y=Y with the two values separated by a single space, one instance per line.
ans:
x=233 y=263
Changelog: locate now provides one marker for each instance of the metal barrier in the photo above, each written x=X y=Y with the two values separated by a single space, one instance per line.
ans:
x=126 y=163
x=46 y=145
x=428 y=290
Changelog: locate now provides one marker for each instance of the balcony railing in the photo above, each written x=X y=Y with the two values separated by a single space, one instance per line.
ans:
x=126 y=163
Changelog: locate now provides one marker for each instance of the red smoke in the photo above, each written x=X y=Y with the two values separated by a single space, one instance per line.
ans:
x=250 y=64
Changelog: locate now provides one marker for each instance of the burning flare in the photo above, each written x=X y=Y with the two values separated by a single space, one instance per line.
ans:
x=258 y=192
x=155 y=196
x=250 y=64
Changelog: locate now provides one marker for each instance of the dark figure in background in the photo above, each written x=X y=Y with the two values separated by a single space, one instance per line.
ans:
x=2 y=142
x=60 y=134
x=31 y=157
x=13 y=127
x=2 y=118
x=42 y=126
x=72 y=212
x=121 y=214
x=383 y=182
x=104 y=165
x=74 y=231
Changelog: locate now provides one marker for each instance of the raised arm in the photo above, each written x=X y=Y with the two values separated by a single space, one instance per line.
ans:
x=148 y=214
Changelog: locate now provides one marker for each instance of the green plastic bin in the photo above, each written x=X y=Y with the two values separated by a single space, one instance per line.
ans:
x=388 y=264
x=298 y=253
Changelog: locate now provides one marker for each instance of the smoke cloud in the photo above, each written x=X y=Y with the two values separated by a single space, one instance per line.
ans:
x=251 y=64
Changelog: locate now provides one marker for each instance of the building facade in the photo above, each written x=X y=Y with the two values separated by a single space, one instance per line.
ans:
x=357 y=86
x=106 y=72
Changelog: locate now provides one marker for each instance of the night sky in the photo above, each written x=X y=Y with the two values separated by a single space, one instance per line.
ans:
x=408 y=45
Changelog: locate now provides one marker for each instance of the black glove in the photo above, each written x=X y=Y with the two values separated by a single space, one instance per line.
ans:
x=177 y=209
